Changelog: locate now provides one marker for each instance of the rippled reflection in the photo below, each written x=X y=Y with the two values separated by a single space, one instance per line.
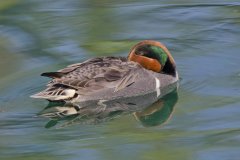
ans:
x=147 y=109
x=46 y=35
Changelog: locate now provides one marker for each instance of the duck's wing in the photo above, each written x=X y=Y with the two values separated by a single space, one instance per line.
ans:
x=90 y=76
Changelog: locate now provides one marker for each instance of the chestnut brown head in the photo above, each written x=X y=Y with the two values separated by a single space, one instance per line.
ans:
x=154 y=56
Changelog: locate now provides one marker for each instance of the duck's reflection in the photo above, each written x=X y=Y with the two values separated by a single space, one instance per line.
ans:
x=159 y=112
x=147 y=109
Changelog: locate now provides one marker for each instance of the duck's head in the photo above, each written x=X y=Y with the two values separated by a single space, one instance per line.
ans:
x=154 y=56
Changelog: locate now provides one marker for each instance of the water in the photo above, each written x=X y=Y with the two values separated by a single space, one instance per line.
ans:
x=203 y=36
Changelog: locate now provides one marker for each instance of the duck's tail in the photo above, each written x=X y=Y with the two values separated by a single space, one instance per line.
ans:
x=55 y=93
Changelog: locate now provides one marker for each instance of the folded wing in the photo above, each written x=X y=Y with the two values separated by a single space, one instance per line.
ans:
x=88 y=77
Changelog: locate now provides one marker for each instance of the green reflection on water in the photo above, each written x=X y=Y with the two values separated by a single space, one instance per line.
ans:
x=203 y=36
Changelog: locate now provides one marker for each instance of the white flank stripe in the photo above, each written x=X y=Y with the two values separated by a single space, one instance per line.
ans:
x=157 y=86
x=177 y=75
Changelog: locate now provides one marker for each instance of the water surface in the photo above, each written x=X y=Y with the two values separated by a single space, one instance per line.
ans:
x=203 y=37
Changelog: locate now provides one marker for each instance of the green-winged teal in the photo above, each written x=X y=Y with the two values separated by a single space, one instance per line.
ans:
x=149 y=67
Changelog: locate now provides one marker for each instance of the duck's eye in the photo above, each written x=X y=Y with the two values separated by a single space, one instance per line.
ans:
x=141 y=53
x=143 y=50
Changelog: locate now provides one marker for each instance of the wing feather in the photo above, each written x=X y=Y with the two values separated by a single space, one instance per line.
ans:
x=90 y=76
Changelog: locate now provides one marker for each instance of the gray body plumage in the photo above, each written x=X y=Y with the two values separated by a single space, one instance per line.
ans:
x=105 y=78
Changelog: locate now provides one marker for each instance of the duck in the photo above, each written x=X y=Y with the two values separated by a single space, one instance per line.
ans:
x=149 y=67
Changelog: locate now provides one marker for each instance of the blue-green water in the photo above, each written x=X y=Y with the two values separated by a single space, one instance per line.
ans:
x=203 y=37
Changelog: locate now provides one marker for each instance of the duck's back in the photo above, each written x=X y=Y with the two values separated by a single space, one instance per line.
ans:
x=101 y=78
x=90 y=77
